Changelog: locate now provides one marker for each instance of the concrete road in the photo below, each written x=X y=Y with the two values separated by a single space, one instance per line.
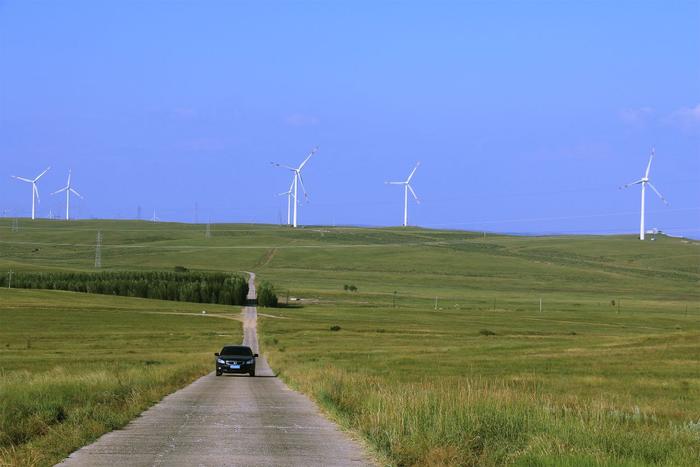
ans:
x=228 y=420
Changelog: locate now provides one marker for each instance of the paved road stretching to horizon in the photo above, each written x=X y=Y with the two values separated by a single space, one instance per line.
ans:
x=231 y=420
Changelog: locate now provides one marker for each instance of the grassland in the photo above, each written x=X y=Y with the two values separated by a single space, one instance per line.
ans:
x=73 y=366
x=582 y=382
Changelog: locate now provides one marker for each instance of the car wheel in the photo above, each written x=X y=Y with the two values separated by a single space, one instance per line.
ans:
x=252 y=373
x=218 y=373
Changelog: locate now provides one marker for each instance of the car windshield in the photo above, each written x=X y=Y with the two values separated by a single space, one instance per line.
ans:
x=237 y=350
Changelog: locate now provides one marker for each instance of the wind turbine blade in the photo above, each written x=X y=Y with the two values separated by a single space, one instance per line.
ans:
x=394 y=183
x=23 y=179
x=76 y=193
x=410 y=188
x=313 y=151
x=68 y=184
x=657 y=192
x=631 y=183
x=283 y=166
x=60 y=191
x=291 y=188
x=42 y=174
x=646 y=174
x=303 y=188
x=412 y=172
x=36 y=192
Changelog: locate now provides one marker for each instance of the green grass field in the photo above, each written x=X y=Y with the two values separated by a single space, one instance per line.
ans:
x=74 y=366
x=484 y=379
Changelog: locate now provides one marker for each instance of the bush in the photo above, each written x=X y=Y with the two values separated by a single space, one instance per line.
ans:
x=486 y=332
x=266 y=295
x=335 y=327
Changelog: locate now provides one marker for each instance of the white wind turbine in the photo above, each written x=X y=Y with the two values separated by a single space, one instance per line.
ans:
x=68 y=189
x=406 y=188
x=644 y=181
x=35 y=190
x=298 y=180
x=288 y=193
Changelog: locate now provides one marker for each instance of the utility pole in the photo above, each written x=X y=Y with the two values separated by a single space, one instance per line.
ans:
x=9 y=280
x=207 y=232
x=98 y=251
x=15 y=225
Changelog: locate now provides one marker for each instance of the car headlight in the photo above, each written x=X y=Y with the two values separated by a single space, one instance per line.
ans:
x=250 y=362
x=218 y=360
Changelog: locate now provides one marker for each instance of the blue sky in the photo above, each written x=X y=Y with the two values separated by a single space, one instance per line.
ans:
x=526 y=116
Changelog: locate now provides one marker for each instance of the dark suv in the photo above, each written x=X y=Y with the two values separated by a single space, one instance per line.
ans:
x=235 y=359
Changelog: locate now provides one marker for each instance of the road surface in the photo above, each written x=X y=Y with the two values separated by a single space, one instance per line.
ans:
x=231 y=420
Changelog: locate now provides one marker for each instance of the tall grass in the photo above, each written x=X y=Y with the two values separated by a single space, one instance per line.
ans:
x=473 y=421
x=45 y=416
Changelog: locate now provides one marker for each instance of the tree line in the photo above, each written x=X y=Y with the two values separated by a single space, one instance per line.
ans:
x=200 y=287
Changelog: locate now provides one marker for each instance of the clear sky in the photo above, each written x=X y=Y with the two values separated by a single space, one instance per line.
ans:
x=526 y=116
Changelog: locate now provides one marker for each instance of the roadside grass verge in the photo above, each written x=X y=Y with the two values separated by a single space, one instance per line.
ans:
x=44 y=417
x=75 y=366
x=463 y=421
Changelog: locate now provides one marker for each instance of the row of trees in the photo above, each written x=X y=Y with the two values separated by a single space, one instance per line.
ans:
x=224 y=289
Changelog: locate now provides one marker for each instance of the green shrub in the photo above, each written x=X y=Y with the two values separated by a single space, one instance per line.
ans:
x=266 y=295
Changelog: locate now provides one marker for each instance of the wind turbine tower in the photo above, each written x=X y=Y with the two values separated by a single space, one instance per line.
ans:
x=68 y=189
x=644 y=181
x=35 y=190
x=406 y=188
x=288 y=193
x=296 y=181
